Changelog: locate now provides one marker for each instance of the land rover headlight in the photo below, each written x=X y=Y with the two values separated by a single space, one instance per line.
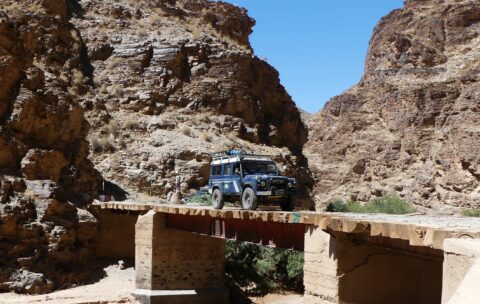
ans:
x=290 y=185
x=263 y=183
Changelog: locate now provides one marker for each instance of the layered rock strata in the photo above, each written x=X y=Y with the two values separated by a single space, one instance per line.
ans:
x=175 y=81
x=411 y=125
x=45 y=175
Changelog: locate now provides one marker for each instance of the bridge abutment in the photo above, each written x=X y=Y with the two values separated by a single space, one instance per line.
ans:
x=461 y=271
x=343 y=268
x=177 y=267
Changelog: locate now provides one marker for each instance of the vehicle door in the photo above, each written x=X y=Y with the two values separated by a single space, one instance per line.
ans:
x=236 y=178
x=216 y=178
x=228 y=184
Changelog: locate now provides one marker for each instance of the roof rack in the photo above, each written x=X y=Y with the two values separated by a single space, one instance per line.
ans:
x=235 y=153
x=228 y=153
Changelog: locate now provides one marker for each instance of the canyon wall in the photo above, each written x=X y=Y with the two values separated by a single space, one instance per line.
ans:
x=174 y=81
x=46 y=178
x=411 y=126
x=123 y=98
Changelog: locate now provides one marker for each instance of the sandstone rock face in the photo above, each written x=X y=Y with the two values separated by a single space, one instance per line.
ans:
x=411 y=125
x=45 y=176
x=174 y=81
x=148 y=89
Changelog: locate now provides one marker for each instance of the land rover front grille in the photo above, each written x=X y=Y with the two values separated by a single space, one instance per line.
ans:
x=279 y=184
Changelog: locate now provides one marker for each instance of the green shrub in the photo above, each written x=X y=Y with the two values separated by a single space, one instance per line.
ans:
x=264 y=269
x=471 y=212
x=200 y=198
x=337 y=205
x=388 y=204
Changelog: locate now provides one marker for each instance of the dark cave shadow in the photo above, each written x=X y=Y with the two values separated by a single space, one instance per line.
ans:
x=75 y=9
x=114 y=191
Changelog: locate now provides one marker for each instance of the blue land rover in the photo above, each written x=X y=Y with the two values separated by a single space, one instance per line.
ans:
x=250 y=179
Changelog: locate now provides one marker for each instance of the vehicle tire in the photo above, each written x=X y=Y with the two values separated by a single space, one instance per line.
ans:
x=217 y=199
x=288 y=204
x=249 y=199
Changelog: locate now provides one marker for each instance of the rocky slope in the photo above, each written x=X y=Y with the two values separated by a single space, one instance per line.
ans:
x=45 y=176
x=411 y=126
x=143 y=92
x=174 y=81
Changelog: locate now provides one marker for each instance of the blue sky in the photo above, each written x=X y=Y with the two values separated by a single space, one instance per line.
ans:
x=318 y=46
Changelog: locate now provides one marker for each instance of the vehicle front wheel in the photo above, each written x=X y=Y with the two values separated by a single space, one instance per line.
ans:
x=217 y=199
x=249 y=199
x=288 y=204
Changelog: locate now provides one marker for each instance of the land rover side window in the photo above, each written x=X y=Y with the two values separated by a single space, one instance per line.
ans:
x=216 y=170
x=227 y=170
x=236 y=169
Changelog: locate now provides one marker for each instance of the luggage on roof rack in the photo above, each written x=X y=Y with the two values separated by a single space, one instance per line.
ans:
x=228 y=153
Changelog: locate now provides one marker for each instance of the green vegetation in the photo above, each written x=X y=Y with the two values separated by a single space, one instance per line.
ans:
x=389 y=204
x=260 y=270
x=200 y=198
x=471 y=212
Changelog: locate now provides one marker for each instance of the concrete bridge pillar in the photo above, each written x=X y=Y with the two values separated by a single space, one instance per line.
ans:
x=177 y=267
x=461 y=271
x=343 y=268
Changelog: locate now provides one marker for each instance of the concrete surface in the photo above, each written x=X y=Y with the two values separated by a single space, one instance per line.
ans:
x=418 y=230
x=461 y=271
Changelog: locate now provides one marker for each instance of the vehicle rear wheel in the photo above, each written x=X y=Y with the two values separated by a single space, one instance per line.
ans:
x=249 y=199
x=288 y=204
x=217 y=199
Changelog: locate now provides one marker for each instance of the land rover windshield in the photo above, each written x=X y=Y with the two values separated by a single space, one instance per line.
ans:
x=259 y=167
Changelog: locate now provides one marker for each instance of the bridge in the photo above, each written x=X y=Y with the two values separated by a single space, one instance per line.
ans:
x=349 y=258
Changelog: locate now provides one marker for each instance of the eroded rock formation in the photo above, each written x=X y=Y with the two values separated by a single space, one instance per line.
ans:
x=411 y=125
x=146 y=90
x=175 y=81
x=45 y=176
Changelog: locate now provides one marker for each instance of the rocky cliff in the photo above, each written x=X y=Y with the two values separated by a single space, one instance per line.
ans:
x=45 y=175
x=134 y=93
x=411 y=126
x=174 y=81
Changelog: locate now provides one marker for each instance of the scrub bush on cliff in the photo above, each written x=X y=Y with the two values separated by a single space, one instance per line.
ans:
x=388 y=204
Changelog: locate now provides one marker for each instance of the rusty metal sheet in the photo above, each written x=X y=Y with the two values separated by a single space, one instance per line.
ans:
x=283 y=235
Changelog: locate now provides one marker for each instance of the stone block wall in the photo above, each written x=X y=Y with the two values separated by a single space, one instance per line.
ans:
x=342 y=269
x=116 y=234
x=174 y=266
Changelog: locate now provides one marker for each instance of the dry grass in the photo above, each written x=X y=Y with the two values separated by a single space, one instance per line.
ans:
x=196 y=28
x=39 y=64
x=112 y=127
x=233 y=136
x=195 y=120
x=142 y=32
x=97 y=81
x=131 y=123
x=117 y=90
x=115 y=62
x=204 y=117
x=186 y=131
x=102 y=144
x=77 y=77
x=63 y=78
x=206 y=137
x=154 y=18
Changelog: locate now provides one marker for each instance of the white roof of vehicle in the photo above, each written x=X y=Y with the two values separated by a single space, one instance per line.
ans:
x=237 y=158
